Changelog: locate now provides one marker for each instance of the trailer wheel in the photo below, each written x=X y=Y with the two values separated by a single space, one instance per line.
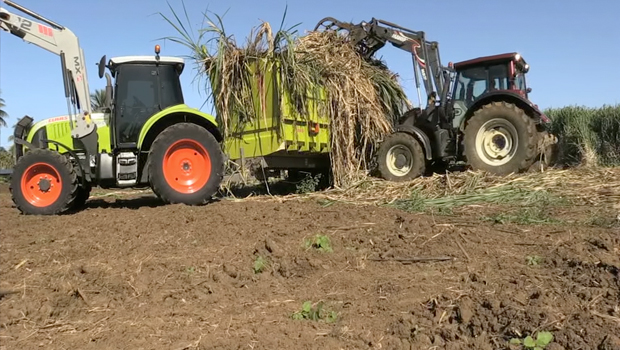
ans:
x=400 y=158
x=44 y=182
x=186 y=164
x=501 y=139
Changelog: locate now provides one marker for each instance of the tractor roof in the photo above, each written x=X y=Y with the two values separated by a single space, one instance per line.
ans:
x=115 y=61
x=490 y=59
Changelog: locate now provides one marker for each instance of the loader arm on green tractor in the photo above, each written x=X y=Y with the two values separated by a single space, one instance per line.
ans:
x=60 y=41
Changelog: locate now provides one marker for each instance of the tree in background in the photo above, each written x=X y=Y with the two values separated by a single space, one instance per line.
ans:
x=7 y=156
x=6 y=159
x=3 y=114
x=12 y=137
x=98 y=100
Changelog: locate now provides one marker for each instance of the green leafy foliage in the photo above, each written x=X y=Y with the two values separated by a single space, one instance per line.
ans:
x=7 y=158
x=542 y=340
x=260 y=264
x=308 y=184
x=534 y=260
x=315 y=313
x=501 y=194
x=587 y=135
x=98 y=100
x=3 y=114
x=319 y=242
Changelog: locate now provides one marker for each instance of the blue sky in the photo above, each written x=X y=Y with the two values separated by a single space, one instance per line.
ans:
x=572 y=46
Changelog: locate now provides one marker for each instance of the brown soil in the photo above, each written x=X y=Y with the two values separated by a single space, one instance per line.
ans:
x=132 y=274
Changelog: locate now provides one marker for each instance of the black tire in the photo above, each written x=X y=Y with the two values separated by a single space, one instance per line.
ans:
x=411 y=163
x=54 y=165
x=510 y=135
x=169 y=188
x=83 y=193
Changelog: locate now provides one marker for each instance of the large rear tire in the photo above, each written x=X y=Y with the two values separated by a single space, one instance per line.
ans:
x=186 y=165
x=501 y=139
x=400 y=158
x=44 y=182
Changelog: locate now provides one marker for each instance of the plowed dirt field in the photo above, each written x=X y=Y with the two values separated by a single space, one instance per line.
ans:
x=130 y=273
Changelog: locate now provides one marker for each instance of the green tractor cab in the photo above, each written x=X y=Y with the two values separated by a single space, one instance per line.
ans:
x=146 y=137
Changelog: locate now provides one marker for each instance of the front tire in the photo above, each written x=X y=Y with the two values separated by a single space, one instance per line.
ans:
x=82 y=195
x=501 y=139
x=400 y=158
x=186 y=165
x=44 y=182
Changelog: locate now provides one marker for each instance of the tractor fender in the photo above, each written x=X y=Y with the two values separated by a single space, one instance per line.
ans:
x=176 y=114
x=420 y=135
x=510 y=97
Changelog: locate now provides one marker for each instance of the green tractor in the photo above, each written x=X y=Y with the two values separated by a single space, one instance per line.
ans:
x=146 y=136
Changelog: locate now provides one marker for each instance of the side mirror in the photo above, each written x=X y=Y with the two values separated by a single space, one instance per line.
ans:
x=101 y=66
x=528 y=90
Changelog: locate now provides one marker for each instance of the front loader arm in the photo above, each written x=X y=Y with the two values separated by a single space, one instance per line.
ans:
x=61 y=41
x=369 y=37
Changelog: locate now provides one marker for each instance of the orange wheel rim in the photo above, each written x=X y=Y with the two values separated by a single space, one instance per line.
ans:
x=41 y=185
x=187 y=166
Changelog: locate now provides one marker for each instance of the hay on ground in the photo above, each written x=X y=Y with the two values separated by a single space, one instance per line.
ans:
x=590 y=186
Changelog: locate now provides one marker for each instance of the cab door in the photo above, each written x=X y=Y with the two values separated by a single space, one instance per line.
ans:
x=136 y=100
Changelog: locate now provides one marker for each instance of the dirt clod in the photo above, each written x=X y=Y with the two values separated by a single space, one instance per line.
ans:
x=272 y=247
x=466 y=310
x=230 y=270
x=610 y=342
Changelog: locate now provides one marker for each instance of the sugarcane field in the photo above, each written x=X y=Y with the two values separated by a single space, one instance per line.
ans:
x=314 y=195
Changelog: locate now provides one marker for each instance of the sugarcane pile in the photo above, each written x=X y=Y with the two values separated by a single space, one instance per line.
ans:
x=363 y=97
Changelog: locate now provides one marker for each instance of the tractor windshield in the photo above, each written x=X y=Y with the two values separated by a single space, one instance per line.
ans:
x=473 y=82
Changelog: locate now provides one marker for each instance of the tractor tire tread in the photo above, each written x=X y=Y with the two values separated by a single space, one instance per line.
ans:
x=70 y=178
x=527 y=155
x=83 y=193
x=419 y=164
x=160 y=145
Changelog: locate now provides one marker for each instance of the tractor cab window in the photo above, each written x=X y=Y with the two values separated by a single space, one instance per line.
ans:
x=473 y=82
x=141 y=92
x=170 y=86
x=520 y=82
x=135 y=100
x=498 y=77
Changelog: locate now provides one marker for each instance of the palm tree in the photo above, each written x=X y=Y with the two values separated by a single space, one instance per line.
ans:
x=98 y=100
x=12 y=137
x=3 y=114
